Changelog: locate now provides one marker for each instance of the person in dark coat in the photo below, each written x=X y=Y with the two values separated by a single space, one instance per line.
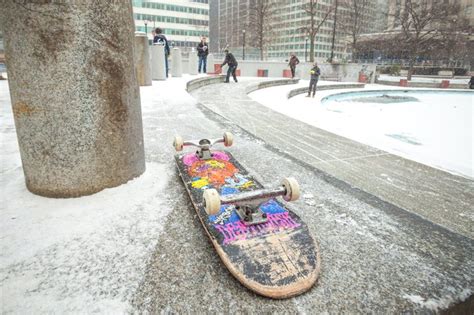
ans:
x=203 y=51
x=471 y=83
x=292 y=63
x=315 y=73
x=232 y=63
x=160 y=39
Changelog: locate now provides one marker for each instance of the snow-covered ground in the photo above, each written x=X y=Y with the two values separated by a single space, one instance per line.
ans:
x=89 y=254
x=79 y=255
x=435 y=129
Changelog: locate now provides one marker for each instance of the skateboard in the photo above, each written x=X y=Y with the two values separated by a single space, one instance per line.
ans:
x=265 y=246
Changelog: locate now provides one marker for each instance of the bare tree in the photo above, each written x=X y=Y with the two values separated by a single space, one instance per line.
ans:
x=354 y=20
x=423 y=23
x=454 y=46
x=262 y=14
x=312 y=28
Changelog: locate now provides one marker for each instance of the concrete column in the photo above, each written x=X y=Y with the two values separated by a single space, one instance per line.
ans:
x=177 y=66
x=210 y=63
x=158 y=70
x=193 y=62
x=74 y=94
x=142 y=59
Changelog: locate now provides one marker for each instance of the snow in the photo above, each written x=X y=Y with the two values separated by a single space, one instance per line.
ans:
x=439 y=303
x=89 y=254
x=436 y=129
x=75 y=255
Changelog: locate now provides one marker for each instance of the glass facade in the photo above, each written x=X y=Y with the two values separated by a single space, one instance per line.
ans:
x=183 y=24
x=171 y=7
x=170 y=19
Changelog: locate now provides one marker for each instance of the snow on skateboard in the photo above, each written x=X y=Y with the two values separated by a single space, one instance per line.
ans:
x=263 y=244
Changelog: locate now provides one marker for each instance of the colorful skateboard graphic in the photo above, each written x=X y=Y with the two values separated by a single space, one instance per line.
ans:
x=263 y=244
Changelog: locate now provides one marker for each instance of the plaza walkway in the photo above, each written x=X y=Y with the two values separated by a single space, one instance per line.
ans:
x=146 y=252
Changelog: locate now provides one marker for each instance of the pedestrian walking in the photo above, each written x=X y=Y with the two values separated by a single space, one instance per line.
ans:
x=232 y=63
x=203 y=51
x=292 y=63
x=160 y=39
x=315 y=73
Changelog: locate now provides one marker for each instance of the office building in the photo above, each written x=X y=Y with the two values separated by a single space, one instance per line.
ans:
x=286 y=24
x=183 y=21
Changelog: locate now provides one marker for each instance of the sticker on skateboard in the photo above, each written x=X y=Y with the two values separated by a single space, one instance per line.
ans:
x=267 y=247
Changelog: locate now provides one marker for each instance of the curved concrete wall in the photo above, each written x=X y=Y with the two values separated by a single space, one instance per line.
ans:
x=197 y=83
x=200 y=82
x=304 y=90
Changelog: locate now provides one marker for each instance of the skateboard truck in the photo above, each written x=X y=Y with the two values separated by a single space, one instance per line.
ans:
x=204 y=145
x=248 y=204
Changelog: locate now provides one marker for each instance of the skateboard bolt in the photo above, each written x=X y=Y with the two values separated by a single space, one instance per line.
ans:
x=264 y=215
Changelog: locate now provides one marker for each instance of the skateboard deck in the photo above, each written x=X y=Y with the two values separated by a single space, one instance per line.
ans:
x=278 y=258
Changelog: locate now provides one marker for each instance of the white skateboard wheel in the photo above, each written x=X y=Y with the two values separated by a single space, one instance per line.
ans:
x=212 y=201
x=228 y=139
x=292 y=189
x=178 y=143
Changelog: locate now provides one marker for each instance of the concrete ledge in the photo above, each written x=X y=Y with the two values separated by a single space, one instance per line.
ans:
x=200 y=82
x=304 y=90
x=437 y=196
x=411 y=257
x=270 y=83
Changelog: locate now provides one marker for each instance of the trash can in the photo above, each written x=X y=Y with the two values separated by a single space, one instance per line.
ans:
x=262 y=73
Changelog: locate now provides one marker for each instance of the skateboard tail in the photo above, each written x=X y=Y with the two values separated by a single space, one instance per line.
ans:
x=289 y=290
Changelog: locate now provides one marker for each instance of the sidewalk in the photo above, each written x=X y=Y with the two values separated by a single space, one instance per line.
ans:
x=139 y=248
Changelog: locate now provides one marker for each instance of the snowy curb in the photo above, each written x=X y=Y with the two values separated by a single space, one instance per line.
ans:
x=303 y=90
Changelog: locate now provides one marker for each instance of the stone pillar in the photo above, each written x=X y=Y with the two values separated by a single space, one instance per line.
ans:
x=74 y=94
x=177 y=66
x=193 y=62
x=210 y=64
x=158 y=70
x=142 y=59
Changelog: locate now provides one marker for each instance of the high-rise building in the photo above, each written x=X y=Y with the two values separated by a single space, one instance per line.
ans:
x=228 y=21
x=183 y=22
x=381 y=16
x=287 y=23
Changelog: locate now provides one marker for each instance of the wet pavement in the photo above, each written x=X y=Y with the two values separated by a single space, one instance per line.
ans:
x=378 y=255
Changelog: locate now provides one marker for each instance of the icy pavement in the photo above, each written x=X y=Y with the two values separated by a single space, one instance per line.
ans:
x=139 y=247
x=436 y=195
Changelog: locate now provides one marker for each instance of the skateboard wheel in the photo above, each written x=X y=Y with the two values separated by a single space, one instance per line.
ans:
x=292 y=189
x=212 y=201
x=228 y=139
x=178 y=143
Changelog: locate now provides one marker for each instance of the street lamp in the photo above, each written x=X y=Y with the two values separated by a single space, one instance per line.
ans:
x=306 y=50
x=243 y=46
x=146 y=23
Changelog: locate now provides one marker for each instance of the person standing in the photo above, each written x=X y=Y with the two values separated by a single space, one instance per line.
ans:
x=471 y=83
x=315 y=73
x=203 y=51
x=292 y=63
x=160 y=39
x=232 y=63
